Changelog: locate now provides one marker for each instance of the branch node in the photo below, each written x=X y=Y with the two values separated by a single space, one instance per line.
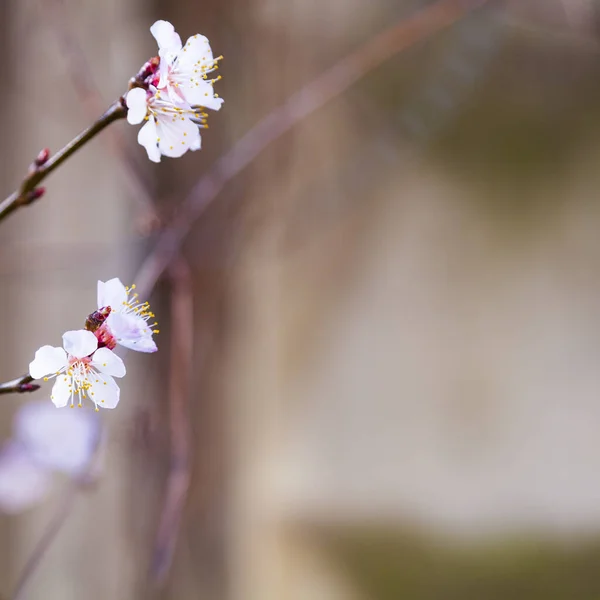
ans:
x=32 y=196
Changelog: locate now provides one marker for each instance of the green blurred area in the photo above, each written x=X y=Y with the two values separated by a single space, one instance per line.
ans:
x=388 y=566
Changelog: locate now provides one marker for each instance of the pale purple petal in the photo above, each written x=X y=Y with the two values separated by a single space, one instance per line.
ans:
x=48 y=360
x=111 y=293
x=79 y=343
x=131 y=332
x=63 y=440
x=22 y=482
x=108 y=362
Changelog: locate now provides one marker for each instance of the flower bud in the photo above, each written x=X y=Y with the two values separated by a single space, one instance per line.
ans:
x=42 y=157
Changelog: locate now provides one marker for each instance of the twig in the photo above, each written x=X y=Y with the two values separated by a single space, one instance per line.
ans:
x=324 y=88
x=43 y=166
x=182 y=340
x=19 y=385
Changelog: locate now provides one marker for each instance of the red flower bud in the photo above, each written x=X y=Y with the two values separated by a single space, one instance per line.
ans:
x=42 y=157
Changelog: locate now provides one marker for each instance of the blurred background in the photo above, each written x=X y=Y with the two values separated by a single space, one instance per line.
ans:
x=394 y=388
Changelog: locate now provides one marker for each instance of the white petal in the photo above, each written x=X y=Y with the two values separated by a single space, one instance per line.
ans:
x=167 y=57
x=131 y=332
x=176 y=98
x=197 y=144
x=48 y=360
x=165 y=36
x=22 y=482
x=104 y=390
x=79 y=343
x=111 y=293
x=137 y=103
x=197 y=50
x=62 y=440
x=198 y=92
x=106 y=361
x=147 y=137
x=61 y=391
x=177 y=134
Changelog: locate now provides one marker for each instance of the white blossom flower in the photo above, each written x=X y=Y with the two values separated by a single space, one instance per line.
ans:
x=44 y=440
x=184 y=70
x=127 y=324
x=170 y=130
x=81 y=369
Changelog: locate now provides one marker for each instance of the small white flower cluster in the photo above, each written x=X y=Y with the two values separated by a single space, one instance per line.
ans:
x=44 y=441
x=172 y=99
x=85 y=367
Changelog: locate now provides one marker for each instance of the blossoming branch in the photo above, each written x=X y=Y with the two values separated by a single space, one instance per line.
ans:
x=169 y=94
x=85 y=366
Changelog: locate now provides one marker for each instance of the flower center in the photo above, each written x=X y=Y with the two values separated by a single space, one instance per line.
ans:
x=159 y=109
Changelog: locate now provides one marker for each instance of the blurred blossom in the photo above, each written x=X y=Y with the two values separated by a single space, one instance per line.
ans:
x=22 y=482
x=44 y=440
x=81 y=369
x=57 y=439
x=127 y=320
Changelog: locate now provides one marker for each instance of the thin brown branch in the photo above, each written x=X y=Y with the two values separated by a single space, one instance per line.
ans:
x=42 y=167
x=182 y=340
x=328 y=85
x=19 y=385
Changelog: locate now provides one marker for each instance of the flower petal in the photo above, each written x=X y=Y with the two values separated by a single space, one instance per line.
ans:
x=197 y=53
x=167 y=57
x=22 y=482
x=165 y=35
x=176 y=134
x=104 y=391
x=197 y=143
x=137 y=103
x=80 y=343
x=148 y=137
x=111 y=293
x=62 y=391
x=198 y=92
x=106 y=361
x=62 y=440
x=48 y=360
x=131 y=332
x=145 y=344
